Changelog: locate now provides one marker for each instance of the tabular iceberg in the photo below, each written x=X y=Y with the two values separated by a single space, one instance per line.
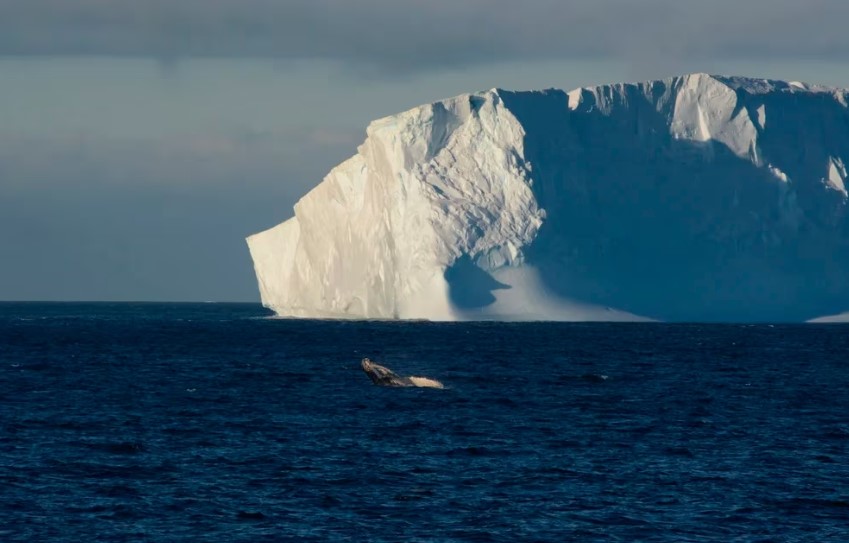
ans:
x=698 y=198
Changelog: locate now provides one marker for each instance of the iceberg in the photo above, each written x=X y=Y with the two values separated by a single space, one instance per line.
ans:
x=694 y=198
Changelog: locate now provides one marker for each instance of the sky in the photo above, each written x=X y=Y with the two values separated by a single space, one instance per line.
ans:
x=142 y=140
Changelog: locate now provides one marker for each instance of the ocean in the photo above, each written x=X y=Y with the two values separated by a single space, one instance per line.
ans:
x=214 y=422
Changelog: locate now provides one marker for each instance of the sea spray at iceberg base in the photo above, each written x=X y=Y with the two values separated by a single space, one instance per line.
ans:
x=696 y=198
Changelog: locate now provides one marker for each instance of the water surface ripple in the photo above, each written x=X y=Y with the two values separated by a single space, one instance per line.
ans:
x=208 y=422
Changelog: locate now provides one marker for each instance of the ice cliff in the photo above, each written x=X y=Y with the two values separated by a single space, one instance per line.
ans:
x=692 y=198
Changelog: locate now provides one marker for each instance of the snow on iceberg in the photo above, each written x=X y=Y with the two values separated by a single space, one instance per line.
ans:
x=699 y=198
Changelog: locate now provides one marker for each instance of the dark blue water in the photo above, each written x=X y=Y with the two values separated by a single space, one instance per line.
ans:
x=211 y=423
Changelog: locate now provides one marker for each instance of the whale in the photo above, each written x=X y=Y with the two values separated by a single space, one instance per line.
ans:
x=383 y=376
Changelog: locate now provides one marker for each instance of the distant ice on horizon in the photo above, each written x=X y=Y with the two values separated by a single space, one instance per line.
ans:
x=831 y=319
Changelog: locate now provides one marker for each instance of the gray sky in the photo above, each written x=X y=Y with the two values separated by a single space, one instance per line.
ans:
x=411 y=35
x=141 y=141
